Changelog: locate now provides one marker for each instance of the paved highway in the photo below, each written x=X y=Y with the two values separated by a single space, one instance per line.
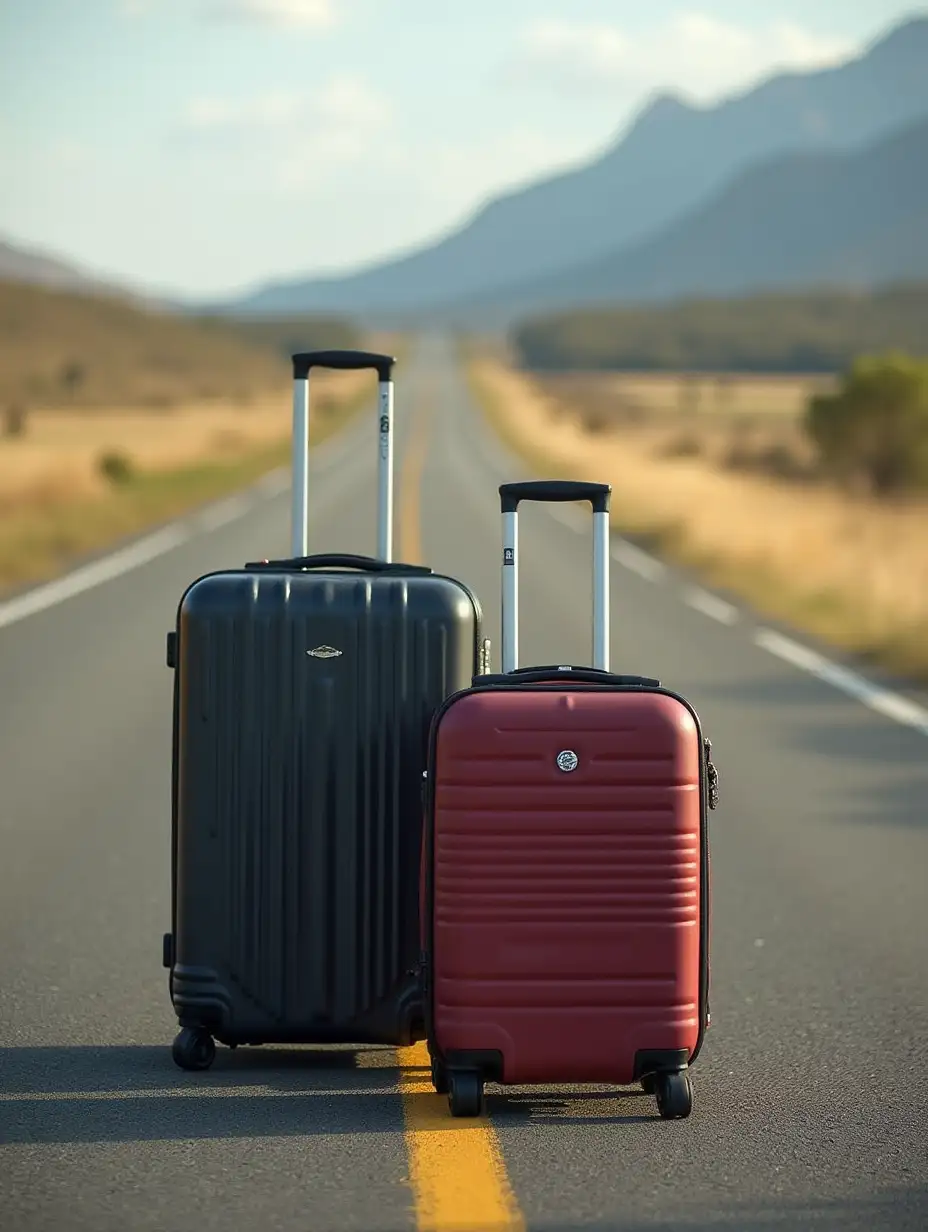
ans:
x=811 y=1095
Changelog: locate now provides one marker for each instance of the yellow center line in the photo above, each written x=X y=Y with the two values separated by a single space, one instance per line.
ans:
x=456 y=1166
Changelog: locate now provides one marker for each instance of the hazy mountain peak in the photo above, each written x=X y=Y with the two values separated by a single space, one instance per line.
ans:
x=908 y=39
x=661 y=115
x=666 y=107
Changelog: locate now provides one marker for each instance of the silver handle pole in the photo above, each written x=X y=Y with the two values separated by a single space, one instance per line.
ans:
x=601 y=590
x=299 y=516
x=385 y=474
x=510 y=592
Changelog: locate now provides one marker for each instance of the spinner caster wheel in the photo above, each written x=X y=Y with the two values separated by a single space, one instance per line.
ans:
x=647 y=1084
x=674 y=1095
x=465 y=1093
x=193 y=1049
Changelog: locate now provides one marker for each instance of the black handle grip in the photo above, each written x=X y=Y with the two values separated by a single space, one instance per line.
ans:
x=555 y=673
x=339 y=560
x=346 y=361
x=551 y=490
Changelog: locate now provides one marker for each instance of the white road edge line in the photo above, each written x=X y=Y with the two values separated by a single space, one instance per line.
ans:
x=224 y=512
x=711 y=605
x=89 y=576
x=269 y=486
x=639 y=562
x=50 y=594
x=275 y=483
x=891 y=705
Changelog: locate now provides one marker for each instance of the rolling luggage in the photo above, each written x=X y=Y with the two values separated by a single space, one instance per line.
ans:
x=303 y=693
x=565 y=867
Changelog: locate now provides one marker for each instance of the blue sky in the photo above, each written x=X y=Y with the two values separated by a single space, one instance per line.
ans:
x=199 y=146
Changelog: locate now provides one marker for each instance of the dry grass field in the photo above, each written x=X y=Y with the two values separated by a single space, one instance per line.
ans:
x=78 y=479
x=114 y=416
x=61 y=451
x=727 y=484
x=687 y=395
x=112 y=419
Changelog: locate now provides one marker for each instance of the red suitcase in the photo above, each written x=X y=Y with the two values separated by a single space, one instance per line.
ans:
x=565 y=921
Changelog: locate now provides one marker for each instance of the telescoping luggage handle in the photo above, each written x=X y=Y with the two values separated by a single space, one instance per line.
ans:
x=551 y=490
x=346 y=361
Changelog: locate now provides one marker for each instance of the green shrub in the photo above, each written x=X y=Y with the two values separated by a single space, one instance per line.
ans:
x=876 y=426
x=72 y=377
x=597 y=422
x=14 y=421
x=118 y=468
x=685 y=445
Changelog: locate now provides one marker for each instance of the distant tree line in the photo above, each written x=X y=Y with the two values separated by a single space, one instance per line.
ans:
x=809 y=333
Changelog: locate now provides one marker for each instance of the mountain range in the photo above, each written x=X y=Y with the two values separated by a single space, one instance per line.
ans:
x=809 y=178
x=856 y=219
x=676 y=164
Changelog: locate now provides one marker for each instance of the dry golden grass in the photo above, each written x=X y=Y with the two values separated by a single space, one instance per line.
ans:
x=56 y=502
x=182 y=409
x=690 y=394
x=847 y=569
x=61 y=447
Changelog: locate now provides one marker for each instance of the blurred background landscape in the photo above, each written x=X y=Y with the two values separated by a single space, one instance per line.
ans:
x=681 y=247
x=721 y=308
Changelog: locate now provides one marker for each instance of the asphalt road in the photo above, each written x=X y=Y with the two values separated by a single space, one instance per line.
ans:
x=811 y=1095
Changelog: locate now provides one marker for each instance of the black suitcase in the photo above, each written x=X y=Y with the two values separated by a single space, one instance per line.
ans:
x=303 y=694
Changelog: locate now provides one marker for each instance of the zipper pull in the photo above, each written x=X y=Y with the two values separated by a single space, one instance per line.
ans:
x=712 y=775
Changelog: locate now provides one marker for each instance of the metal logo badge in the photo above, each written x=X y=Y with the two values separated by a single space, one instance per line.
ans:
x=324 y=652
x=567 y=760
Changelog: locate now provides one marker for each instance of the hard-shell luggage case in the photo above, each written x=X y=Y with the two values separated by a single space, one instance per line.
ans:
x=303 y=694
x=566 y=867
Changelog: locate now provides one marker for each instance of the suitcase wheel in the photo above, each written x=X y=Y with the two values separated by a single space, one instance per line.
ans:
x=465 y=1093
x=674 y=1093
x=193 y=1049
x=647 y=1084
x=439 y=1077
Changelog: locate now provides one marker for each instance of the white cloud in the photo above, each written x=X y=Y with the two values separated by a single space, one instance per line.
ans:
x=293 y=139
x=351 y=101
x=691 y=52
x=306 y=14
x=578 y=47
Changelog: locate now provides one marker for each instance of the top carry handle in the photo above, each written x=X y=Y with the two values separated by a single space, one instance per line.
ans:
x=549 y=490
x=346 y=361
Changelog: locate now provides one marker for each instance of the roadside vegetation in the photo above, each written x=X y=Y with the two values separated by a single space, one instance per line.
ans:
x=114 y=418
x=806 y=496
x=822 y=332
